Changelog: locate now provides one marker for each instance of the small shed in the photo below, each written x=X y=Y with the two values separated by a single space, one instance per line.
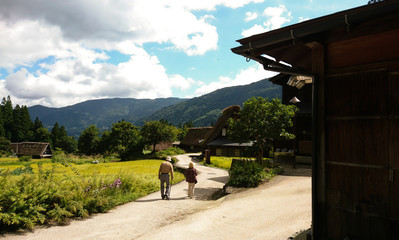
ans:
x=34 y=149
x=352 y=58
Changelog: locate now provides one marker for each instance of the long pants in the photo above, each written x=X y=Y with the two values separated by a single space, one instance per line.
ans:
x=191 y=189
x=165 y=181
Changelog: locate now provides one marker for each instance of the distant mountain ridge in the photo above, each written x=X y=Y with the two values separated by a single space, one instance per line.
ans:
x=202 y=111
x=205 y=110
x=101 y=112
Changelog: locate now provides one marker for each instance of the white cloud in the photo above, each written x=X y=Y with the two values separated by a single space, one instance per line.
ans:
x=180 y=82
x=276 y=17
x=78 y=77
x=76 y=33
x=251 y=16
x=244 y=77
x=211 y=4
x=102 y=24
x=302 y=19
x=25 y=41
x=256 y=29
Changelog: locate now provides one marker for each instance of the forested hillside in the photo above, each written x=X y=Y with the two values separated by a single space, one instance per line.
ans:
x=201 y=111
x=101 y=113
x=205 y=110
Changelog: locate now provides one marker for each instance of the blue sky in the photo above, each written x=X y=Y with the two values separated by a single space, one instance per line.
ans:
x=58 y=53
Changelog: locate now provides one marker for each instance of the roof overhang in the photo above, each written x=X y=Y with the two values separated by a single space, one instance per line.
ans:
x=293 y=44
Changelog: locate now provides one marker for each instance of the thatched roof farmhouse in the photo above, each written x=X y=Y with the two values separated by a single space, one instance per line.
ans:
x=34 y=149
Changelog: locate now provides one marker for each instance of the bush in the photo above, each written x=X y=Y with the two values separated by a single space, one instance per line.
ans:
x=246 y=173
x=24 y=158
x=49 y=194
x=169 y=152
x=249 y=173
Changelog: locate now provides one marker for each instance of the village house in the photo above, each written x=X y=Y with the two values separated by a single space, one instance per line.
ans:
x=217 y=142
x=192 y=142
x=351 y=61
x=298 y=94
x=34 y=149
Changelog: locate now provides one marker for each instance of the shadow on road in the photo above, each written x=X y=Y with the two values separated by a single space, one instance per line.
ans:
x=219 y=179
x=299 y=171
x=204 y=193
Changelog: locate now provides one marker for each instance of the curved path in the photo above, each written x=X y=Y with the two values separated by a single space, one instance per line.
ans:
x=274 y=210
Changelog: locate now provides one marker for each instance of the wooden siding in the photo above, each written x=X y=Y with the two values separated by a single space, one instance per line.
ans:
x=362 y=155
x=356 y=51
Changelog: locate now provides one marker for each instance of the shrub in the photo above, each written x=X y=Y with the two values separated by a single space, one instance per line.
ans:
x=249 y=173
x=24 y=158
x=50 y=193
x=169 y=152
x=246 y=173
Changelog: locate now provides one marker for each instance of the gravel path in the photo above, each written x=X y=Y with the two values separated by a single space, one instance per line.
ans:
x=274 y=210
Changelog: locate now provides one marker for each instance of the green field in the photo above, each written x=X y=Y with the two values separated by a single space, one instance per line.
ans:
x=40 y=191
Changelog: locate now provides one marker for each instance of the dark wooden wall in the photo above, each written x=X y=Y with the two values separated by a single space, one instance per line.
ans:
x=362 y=137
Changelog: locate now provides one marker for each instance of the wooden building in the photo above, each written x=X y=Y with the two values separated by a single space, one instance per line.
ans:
x=352 y=59
x=34 y=149
x=192 y=142
x=301 y=97
x=217 y=141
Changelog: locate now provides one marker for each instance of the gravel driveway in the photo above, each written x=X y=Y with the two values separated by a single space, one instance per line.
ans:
x=274 y=210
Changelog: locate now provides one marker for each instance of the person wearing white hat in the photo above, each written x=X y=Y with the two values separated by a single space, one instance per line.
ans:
x=165 y=169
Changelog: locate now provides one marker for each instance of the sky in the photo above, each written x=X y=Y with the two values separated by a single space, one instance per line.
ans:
x=58 y=53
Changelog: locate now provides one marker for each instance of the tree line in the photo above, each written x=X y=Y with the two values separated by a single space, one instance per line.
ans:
x=123 y=138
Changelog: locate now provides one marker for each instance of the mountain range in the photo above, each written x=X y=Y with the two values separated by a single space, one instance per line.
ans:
x=201 y=111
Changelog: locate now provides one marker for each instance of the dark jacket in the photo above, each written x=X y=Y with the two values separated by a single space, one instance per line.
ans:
x=191 y=175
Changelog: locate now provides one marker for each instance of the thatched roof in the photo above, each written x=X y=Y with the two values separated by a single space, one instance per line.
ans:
x=34 y=149
x=195 y=136
x=227 y=113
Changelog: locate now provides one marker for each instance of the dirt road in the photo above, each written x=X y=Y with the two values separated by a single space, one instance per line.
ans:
x=274 y=210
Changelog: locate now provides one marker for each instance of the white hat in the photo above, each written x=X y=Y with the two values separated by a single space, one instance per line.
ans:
x=168 y=159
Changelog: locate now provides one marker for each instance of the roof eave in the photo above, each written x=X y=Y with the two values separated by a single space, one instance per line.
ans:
x=301 y=30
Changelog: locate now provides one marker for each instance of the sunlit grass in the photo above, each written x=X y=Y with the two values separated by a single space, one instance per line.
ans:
x=144 y=168
x=221 y=162
x=37 y=191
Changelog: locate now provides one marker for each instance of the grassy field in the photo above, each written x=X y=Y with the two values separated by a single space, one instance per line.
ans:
x=41 y=191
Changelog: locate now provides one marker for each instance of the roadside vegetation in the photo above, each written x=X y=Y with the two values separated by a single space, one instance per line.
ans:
x=103 y=169
x=246 y=172
x=54 y=190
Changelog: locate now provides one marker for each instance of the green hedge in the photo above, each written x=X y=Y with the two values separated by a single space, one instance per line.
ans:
x=249 y=173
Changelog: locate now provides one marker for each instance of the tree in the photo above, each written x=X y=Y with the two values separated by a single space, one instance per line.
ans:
x=68 y=144
x=125 y=140
x=182 y=130
x=2 y=130
x=89 y=140
x=7 y=114
x=105 y=143
x=4 y=145
x=56 y=134
x=60 y=139
x=21 y=129
x=40 y=133
x=155 y=132
x=261 y=121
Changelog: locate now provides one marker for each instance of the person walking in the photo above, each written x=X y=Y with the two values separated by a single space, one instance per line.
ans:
x=191 y=179
x=165 y=169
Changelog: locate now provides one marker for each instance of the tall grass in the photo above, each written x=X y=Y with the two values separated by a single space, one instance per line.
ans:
x=43 y=192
